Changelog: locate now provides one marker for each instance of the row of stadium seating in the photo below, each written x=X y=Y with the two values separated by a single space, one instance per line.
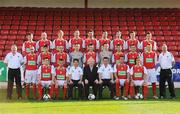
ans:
x=15 y=22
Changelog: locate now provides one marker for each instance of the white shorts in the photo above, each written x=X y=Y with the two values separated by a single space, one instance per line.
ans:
x=151 y=77
x=61 y=82
x=121 y=81
x=46 y=83
x=31 y=76
x=138 y=82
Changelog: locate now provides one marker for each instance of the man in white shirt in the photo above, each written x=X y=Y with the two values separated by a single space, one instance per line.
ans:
x=75 y=79
x=166 y=60
x=14 y=60
x=106 y=77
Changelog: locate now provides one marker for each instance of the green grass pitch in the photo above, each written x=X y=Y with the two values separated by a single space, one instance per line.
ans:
x=105 y=106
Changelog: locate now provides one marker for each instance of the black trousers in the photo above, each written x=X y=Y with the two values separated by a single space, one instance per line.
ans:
x=166 y=75
x=94 y=87
x=14 y=74
x=111 y=86
x=75 y=84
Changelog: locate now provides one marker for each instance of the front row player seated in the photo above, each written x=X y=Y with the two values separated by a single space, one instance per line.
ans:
x=46 y=78
x=61 y=79
x=121 y=73
x=106 y=77
x=138 y=79
x=75 y=79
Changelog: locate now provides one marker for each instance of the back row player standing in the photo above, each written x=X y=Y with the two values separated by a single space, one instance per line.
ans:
x=97 y=44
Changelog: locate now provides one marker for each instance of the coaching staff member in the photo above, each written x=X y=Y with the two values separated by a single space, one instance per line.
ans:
x=90 y=77
x=14 y=60
x=75 y=79
x=106 y=78
x=166 y=60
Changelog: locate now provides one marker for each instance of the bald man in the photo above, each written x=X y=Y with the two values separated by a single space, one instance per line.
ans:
x=90 y=77
x=14 y=61
x=166 y=60
x=44 y=41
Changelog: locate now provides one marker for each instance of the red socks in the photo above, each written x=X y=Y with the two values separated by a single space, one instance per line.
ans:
x=126 y=88
x=145 y=90
x=27 y=90
x=154 y=88
x=40 y=91
x=34 y=90
x=64 y=92
x=57 y=92
x=117 y=88
x=51 y=90
x=131 y=90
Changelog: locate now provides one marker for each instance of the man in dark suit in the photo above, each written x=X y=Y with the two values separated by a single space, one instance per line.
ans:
x=90 y=77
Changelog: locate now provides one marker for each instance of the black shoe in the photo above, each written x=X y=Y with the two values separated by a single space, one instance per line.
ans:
x=19 y=98
x=70 y=98
x=161 y=97
x=173 y=97
x=9 y=98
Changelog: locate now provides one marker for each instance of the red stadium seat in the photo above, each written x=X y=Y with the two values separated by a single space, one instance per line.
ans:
x=157 y=28
x=25 y=23
x=7 y=27
x=4 y=32
x=167 y=33
x=166 y=28
x=15 y=22
x=21 y=32
x=23 y=27
x=169 y=38
x=159 y=38
x=11 y=37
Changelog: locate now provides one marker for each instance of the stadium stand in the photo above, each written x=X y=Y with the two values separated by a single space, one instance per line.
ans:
x=15 y=22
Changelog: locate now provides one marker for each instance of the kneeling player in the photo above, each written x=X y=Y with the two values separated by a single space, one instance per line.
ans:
x=121 y=72
x=60 y=79
x=46 y=78
x=30 y=61
x=138 y=78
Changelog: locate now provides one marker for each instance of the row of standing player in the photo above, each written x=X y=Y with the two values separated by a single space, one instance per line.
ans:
x=84 y=43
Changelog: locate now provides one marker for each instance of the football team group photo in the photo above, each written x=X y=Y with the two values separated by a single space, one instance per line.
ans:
x=89 y=56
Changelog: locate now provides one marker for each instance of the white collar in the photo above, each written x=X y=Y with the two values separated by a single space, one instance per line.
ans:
x=106 y=66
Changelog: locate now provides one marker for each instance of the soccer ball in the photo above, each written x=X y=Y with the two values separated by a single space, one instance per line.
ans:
x=46 y=97
x=91 y=97
x=136 y=97
x=141 y=96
